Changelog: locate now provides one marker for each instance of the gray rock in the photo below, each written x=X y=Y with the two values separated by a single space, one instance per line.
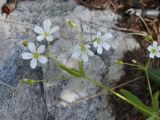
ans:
x=56 y=100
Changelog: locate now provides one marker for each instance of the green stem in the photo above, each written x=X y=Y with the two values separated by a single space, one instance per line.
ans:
x=134 y=65
x=117 y=94
x=149 y=84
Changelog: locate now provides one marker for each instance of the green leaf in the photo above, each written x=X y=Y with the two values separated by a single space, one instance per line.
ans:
x=151 y=118
x=154 y=75
x=70 y=70
x=81 y=68
x=156 y=101
x=137 y=102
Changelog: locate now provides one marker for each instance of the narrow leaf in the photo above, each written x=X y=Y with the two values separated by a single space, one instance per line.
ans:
x=139 y=105
x=70 y=70
x=156 y=101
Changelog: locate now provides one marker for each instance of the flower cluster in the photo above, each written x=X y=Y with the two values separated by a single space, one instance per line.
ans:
x=81 y=51
x=45 y=33
x=154 y=50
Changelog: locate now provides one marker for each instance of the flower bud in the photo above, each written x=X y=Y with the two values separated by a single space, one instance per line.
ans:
x=149 y=37
x=71 y=23
x=25 y=43
x=119 y=62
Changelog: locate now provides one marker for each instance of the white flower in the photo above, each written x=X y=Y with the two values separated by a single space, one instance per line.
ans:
x=154 y=50
x=45 y=32
x=35 y=55
x=101 y=42
x=82 y=51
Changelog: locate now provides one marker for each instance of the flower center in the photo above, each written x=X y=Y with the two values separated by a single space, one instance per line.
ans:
x=36 y=55
x=46 y=34
x=83 y=48
x=98 y=40
x=154 y=50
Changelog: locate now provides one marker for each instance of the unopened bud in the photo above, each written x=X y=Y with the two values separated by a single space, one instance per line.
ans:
x=25 y=43
x=134 y=61
x=119 y=62
x=71 y=23
x=149 y=37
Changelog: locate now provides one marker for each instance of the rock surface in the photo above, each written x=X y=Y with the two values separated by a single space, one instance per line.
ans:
x=55 y=100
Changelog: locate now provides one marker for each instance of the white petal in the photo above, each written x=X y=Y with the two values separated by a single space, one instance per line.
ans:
x=32 y=47
x=38 y=30
x=84 y=57
x=27 y=55
x=155 y=44
x=76 y=54
x=106 y=46
x=99 y=34
x=54 y=29
x=33 y=63
x=99 y=50
x=49 y=38
x=90 y=52
x=47 y=25
x=107 y=36
x=77 y=48
x=42 y=59
x=151 y=55
x=149 y=48
x=40 y=37
x=41 y=49
x=158 y=48
x=158 y=55
x=87 y=46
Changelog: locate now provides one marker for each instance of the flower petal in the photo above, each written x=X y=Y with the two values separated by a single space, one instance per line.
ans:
x=47 y=25
x=41 y=49
x=84 y=57
x=158 y=48
x=54 y=29
x=76 y=54
x=42 y=59
x=106 y=36
x=158 y=55
x=77 y=48
x=87 y=46
x=38 y=30
x=99 y=34
x=33 y=63
x=27 y=55
x=40 y=37
x=151 y=55
x=32 y=47
x=155 y=44
x=106 y=46
x=90 y=52
x=49 y=38
x=149 y=48
x=99 y=50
